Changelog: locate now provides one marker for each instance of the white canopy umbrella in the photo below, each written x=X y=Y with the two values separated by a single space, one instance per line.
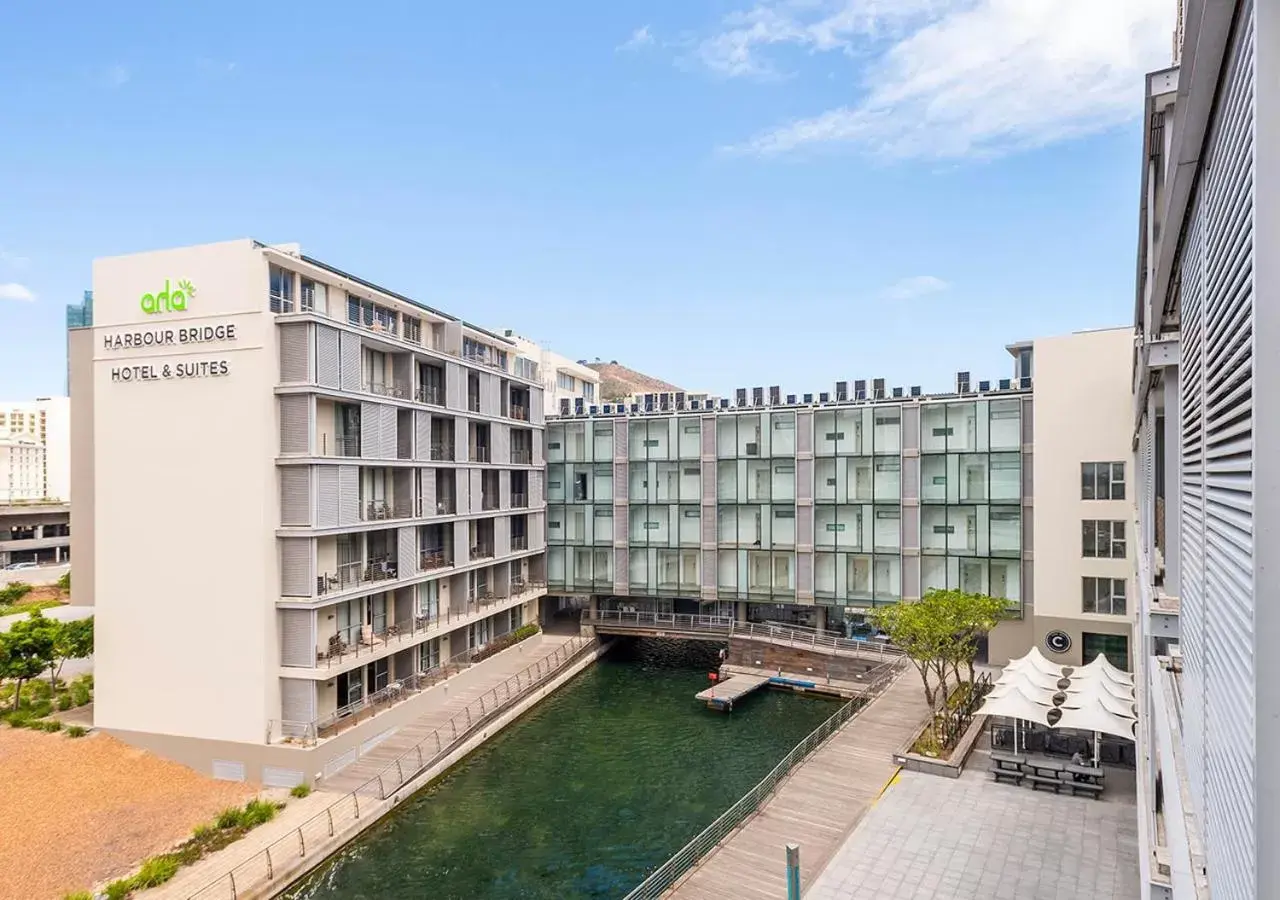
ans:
x=1102 y=665
x=1099 y=721
x=1103 y=686
x=1035 y=684
x=1034 y=658
x=1016 y=705
x=1094 y=695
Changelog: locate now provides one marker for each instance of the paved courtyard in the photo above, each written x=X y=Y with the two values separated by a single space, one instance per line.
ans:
x=932 y=837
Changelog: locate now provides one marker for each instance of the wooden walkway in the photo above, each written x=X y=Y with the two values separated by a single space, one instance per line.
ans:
x=817 y=806
x=725 y=693
x=462 y=690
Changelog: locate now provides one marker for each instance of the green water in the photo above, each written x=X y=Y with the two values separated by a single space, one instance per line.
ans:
x=584 y=796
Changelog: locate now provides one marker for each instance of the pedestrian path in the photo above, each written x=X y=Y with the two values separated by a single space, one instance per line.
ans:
x=816 y=806
x=440 y=704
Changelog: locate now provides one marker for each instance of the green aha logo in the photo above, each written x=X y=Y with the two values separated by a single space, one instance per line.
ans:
x=170 y=299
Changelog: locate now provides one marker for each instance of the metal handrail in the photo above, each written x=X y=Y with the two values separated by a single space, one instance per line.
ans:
x=667 y=874
x=312 y=834
x=797 y=637
x=669 y=620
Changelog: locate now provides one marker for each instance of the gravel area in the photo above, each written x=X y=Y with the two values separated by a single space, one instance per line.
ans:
x=76 y=811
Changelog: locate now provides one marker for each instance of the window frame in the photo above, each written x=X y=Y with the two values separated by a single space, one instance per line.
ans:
x=1092 y=596
x=1102 y=481
x=1114 y=536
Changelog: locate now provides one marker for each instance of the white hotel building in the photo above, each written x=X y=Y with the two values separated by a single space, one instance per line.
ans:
x=295 y=490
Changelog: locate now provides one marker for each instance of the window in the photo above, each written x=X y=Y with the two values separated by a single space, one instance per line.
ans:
x=1103 y=539
x=1103 y=595
x=588 y=392
x=1115 y=646
x=281 y=299
x=1102 y=481
x=564 y=381
x=526 y=368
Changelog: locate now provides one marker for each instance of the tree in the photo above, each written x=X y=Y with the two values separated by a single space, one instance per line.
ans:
x=28 y=650
x=72 y=640
x=939 y=633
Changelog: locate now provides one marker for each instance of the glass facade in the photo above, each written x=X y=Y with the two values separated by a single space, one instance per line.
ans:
x=826 y=503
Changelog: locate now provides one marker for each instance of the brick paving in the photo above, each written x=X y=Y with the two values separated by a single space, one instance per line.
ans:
x=942 y=838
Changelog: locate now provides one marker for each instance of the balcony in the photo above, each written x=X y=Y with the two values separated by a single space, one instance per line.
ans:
x=382 y=389
x=478 y=453
x=520 y=500
x=519 y=412
x=378 y=510
x=339 y=445
x=488 y=502
x=432 y=394
x=356 y=574
x=432 y=559
x=482 y=550
x=473 y=402
x=521 y=457
x=519 y=542
x=445 y=506
x=441 y=451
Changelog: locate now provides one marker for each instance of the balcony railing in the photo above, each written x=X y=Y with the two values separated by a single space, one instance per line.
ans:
x=519 y=542
x=479 y=454
x=382 y=389
x=372 y=639
x=521 y=457
x=354 y=574
x=482 y=550
x=339 y=445
x=488 y=502
x=520 y=500
x=441 y=451
x=430 y=393
x=375 y=510
x=445 y=506
x=519 y=412
x=430 y=560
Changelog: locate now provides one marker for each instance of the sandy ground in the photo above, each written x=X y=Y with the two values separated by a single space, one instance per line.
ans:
x=76 y=811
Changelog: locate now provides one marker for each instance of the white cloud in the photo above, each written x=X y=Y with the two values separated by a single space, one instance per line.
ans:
x=15 y=291
x=915 y=286
x=958 y=78
x=816 y=25
x=641 y=37
x=116 y=76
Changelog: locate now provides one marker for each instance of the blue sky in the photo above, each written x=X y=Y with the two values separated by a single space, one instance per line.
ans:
x=717 y=193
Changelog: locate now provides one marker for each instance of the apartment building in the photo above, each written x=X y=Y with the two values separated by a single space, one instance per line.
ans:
x=1203 y=421
x=306 y=492
x=813 y=510
x=563 y=380
x=45 y=422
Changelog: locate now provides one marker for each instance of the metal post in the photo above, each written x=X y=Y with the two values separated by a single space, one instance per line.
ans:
x=793 y=872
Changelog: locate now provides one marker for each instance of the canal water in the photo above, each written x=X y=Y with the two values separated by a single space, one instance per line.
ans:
x=584 y=795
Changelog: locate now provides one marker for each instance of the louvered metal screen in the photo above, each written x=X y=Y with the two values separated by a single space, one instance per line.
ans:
x=348 y=495
x=298 y=638
x=295 y=425
x=295 y=360
x=349 y=361
x=328 y=369
x=326 y=496
x=295 y=495
x=1220 y=445
x=297 y=567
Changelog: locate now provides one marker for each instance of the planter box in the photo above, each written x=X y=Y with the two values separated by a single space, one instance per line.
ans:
x=948 y=768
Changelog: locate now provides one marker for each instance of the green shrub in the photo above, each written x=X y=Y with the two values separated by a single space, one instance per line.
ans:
x=65 y=702
x=119 y=890
x=40 y=709
x=79 y=895
x=155 y=871
x=50 y=725
x=231 y=817
x=39 y=690
x=76 y=731
x=20 y=718
x=13 y=592
x=300 y=790
x=258 y=812
x=81 y=694
x=64 y=583
x=203 y=832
